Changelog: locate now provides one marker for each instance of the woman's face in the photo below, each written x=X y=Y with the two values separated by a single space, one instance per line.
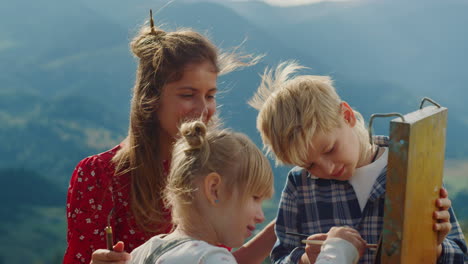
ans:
x=191 y=97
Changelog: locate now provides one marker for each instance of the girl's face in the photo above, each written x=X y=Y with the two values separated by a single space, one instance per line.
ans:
x=335 y=155
x=191 y=97
x=240 y=218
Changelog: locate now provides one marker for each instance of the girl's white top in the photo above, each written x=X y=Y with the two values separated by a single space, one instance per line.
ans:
x=334 y=251
x=194 y=251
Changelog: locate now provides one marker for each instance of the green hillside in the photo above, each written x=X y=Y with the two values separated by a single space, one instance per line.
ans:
x=51 y=136
x=456 y=181
x=32 y=219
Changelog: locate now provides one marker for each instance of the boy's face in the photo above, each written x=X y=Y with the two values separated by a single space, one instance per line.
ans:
x=335 y=155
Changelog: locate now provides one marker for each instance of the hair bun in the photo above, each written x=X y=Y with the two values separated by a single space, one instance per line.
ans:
x=194 y=133
x=146 y=42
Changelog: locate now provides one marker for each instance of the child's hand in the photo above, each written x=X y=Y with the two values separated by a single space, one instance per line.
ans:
x=351 y=235
x=347 y=233
x=117 y=256
x=443 y=225
x=312 y=251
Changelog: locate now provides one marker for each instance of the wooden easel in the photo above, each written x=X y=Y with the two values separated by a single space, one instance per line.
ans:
x=414 y=178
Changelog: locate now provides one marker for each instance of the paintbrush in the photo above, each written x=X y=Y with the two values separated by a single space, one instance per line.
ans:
x=320 y=242
x=108 y=229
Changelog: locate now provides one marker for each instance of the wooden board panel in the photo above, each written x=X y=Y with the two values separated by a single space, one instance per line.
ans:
x=414 y=177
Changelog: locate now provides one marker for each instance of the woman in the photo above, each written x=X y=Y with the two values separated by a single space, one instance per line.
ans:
x=175 y=81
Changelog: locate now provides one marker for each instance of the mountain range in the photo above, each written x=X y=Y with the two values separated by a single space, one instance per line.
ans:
x=77 y=57
x=67 y=73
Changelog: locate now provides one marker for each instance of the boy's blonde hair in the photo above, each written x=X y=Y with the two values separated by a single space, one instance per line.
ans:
x=199 y=152
x=294 y=109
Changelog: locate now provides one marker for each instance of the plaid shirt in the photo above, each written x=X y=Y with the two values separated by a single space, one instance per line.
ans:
x=310 y=205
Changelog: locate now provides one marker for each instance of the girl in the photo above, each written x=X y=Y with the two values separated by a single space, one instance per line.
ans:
x=215 y=189
x=340 y=178
x=175 y=81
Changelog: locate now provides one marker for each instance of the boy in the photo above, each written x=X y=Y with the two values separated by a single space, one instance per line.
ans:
x=340 y=177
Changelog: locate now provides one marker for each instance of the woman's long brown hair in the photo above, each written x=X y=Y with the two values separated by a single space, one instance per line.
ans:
x=162 y=59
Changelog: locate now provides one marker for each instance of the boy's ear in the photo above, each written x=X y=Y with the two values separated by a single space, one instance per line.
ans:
x=348 y=114
x=212 y=184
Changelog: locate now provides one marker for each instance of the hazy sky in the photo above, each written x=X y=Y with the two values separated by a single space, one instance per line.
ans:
x=298 y=2
x=282 y=2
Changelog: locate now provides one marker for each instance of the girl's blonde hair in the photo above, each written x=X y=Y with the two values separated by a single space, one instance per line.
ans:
x=293 y=109
x=241 y=165
x=162 y=58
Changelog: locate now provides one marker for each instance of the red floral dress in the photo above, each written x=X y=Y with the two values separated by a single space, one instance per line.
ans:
x=93 y=192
